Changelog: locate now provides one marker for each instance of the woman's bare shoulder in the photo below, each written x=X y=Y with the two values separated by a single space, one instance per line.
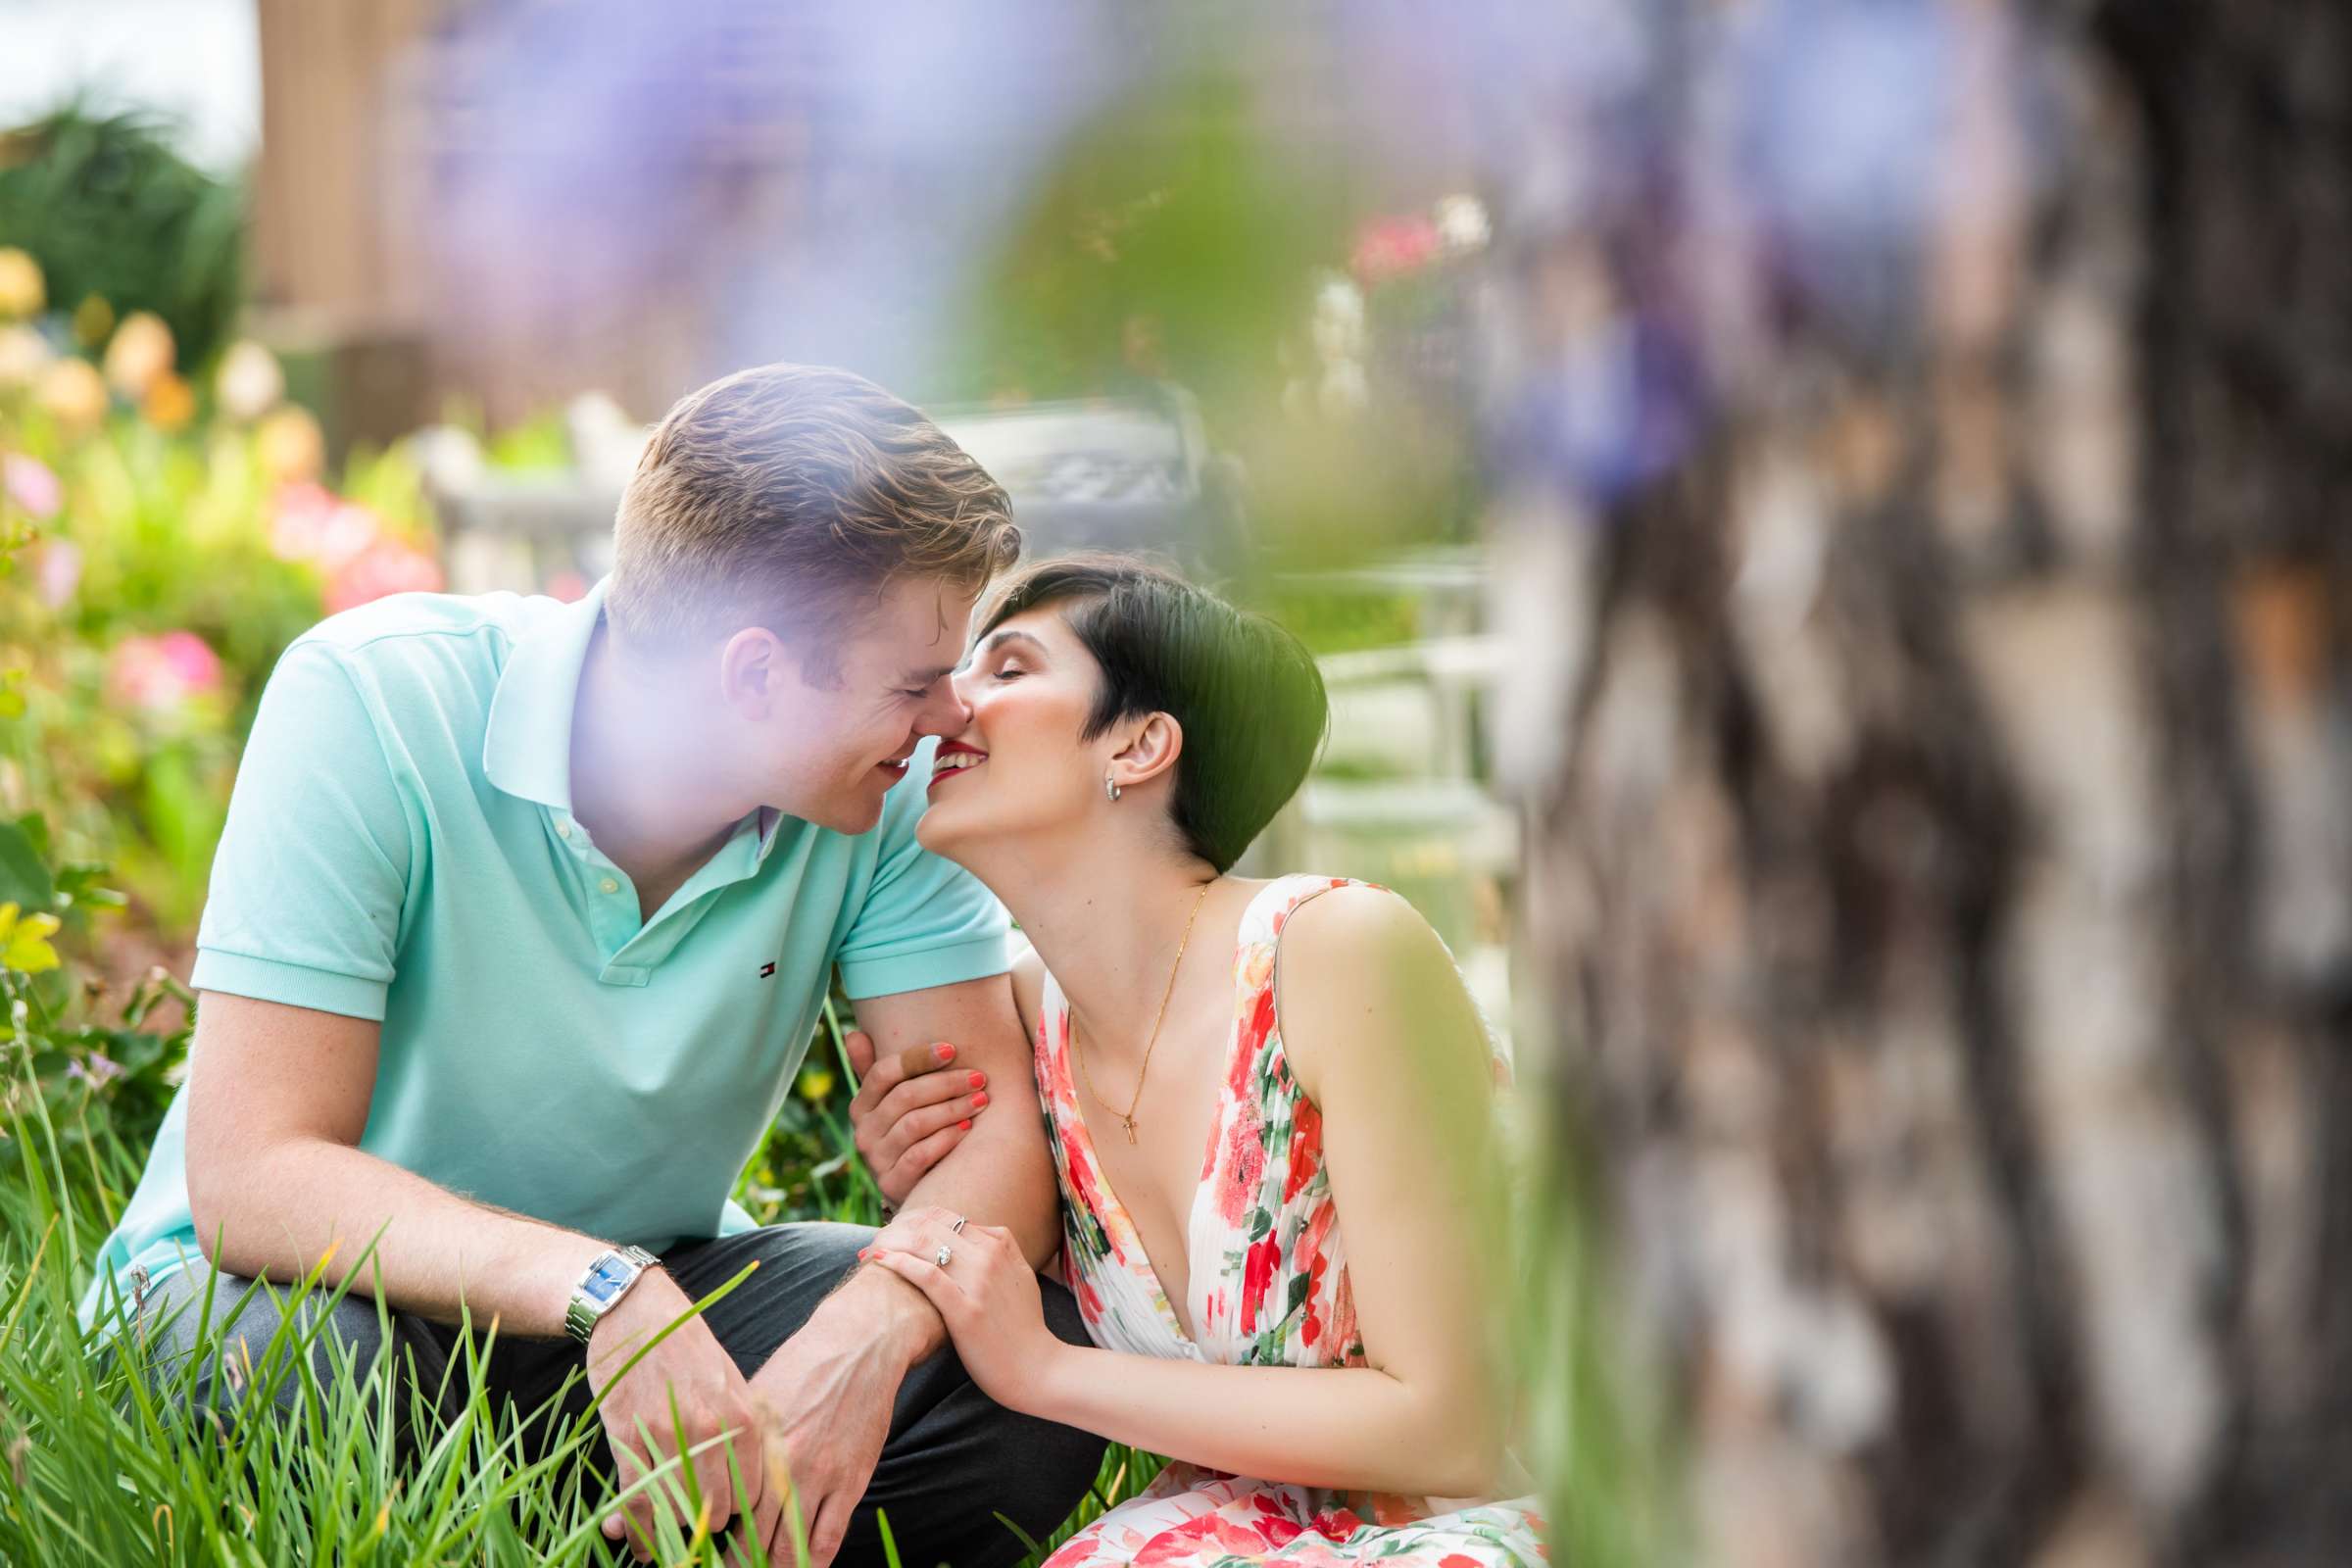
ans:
x=1357 y=964
x=1353 y=928
x=1367 y=986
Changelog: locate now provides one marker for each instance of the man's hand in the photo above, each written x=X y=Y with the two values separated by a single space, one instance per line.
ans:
x=913 y=1106
x=716 y=1410
x=832 y=1386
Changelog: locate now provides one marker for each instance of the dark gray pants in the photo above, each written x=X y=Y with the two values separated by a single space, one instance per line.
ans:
x=954 y=1460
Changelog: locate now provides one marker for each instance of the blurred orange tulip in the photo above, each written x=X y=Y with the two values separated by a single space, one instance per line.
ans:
x=171 y=402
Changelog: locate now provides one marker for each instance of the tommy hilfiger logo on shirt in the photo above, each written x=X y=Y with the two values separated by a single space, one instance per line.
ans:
x=766 y=969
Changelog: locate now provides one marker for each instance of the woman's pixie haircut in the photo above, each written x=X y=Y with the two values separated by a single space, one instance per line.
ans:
x=1246 y=693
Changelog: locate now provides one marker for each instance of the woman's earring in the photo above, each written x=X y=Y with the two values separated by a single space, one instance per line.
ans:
x=1110 y=788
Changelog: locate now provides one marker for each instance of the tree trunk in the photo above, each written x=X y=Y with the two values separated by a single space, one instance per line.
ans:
x=1939 y=869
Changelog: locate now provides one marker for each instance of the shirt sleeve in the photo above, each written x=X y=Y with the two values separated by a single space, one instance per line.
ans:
x=924 y=921
x=313 y=861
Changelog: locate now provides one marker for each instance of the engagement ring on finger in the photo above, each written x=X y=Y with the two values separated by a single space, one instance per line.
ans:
x=941 y=1256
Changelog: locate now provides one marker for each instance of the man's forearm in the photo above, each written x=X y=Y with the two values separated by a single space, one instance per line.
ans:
x=1001 y=1175
x=442 y=1256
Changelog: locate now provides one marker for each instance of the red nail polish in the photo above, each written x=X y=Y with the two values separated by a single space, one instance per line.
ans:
x=978 y=1079
x=979 y=1101
x=966 y=1125
x=943 y=1051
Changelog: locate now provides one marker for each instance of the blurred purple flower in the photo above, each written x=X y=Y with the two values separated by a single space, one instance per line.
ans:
x=97 y=1069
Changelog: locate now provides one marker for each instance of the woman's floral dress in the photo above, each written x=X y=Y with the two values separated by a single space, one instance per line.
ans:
x=1269 y=1288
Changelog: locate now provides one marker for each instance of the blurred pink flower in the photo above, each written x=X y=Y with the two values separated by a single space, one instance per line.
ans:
x=1391 y=247
x=386 y=566
x=159 y=673
x=569 y=586
x=311 y=523
x=31 y=485
x=59 y=571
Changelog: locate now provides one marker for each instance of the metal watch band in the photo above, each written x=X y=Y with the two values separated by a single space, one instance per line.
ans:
x=581 y=1312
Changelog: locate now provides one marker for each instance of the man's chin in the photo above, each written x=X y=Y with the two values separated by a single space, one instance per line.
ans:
x=853 y=815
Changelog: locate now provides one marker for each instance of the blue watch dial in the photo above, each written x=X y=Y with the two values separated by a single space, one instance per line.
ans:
x=604 y=1281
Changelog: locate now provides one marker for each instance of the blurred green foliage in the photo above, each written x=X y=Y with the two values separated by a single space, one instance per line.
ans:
x=111 y=211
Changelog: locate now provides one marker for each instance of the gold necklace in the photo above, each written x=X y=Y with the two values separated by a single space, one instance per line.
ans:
x=1127 y=1116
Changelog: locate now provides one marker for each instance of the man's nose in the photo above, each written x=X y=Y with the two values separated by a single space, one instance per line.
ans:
x=950 y=714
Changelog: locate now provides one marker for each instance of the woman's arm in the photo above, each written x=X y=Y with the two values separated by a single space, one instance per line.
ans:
x=1382 y=1035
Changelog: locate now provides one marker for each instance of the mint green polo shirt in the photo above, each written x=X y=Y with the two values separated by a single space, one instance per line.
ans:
x=400 y=847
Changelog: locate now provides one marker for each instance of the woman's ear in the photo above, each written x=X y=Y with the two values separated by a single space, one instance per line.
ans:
x=1150 y=752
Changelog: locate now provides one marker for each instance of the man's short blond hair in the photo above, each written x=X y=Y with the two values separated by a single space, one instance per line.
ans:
x=790 y=497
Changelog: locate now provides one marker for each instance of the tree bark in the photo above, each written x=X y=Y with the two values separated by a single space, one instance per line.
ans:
x=1940 y=868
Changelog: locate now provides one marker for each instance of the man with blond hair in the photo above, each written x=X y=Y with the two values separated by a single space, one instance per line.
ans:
x=521 y=923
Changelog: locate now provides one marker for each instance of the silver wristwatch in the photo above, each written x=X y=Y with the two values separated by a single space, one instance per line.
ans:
x=606 y=1280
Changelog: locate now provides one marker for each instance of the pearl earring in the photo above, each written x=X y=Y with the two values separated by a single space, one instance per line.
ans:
x=1110 y=788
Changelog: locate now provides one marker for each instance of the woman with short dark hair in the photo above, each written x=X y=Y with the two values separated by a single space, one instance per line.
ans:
x=1274 y=1157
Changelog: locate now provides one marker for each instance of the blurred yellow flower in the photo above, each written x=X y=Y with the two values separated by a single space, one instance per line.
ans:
x=291 y=445
x=249 y=382
x=23 y=355
x=171 y=402
x=93 y=320
x=816 y=1083
x=74 y=396
x=24 y=941
x=141 y=351
x=21 y=292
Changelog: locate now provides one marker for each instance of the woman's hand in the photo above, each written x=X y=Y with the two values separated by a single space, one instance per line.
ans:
x=987 y=1295
x=912 y=1107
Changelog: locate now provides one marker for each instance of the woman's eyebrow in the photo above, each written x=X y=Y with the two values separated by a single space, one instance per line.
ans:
x=997 y=639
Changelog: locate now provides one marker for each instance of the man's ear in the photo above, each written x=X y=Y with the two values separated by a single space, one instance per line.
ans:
x=1151 y=751
x=750 y=670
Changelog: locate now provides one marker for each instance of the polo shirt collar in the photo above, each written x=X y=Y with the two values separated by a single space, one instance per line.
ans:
x=527 y=750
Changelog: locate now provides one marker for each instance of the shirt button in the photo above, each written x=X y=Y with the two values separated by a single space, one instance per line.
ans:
x=563 y=830
x=608 y=885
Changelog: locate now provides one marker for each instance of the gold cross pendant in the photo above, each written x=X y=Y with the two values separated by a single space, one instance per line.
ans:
x=1130 y=1123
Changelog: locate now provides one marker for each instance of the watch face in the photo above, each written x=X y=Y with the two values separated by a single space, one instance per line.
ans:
x=604 y=1281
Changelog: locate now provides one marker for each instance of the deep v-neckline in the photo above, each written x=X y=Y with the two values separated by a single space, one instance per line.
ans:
x=1057 y=1024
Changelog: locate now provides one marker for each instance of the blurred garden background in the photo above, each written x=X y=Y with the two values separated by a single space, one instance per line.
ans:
x=1824 y=525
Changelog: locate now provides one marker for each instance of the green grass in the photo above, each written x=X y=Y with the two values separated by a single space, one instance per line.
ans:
x=95 y=1468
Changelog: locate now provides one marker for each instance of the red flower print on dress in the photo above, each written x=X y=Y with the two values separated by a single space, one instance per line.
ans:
x=1244 y=1166
x=1257 y=1278
x=1306 y=1147
x=1336 y=1525
x=1254 y=1031
x=1390 y=1510
x=1315 y=1258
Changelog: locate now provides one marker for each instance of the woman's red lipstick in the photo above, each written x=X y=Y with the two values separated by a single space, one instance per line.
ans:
x=948 y=749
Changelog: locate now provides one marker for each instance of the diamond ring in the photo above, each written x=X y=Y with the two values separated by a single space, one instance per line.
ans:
x=941 y=1257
